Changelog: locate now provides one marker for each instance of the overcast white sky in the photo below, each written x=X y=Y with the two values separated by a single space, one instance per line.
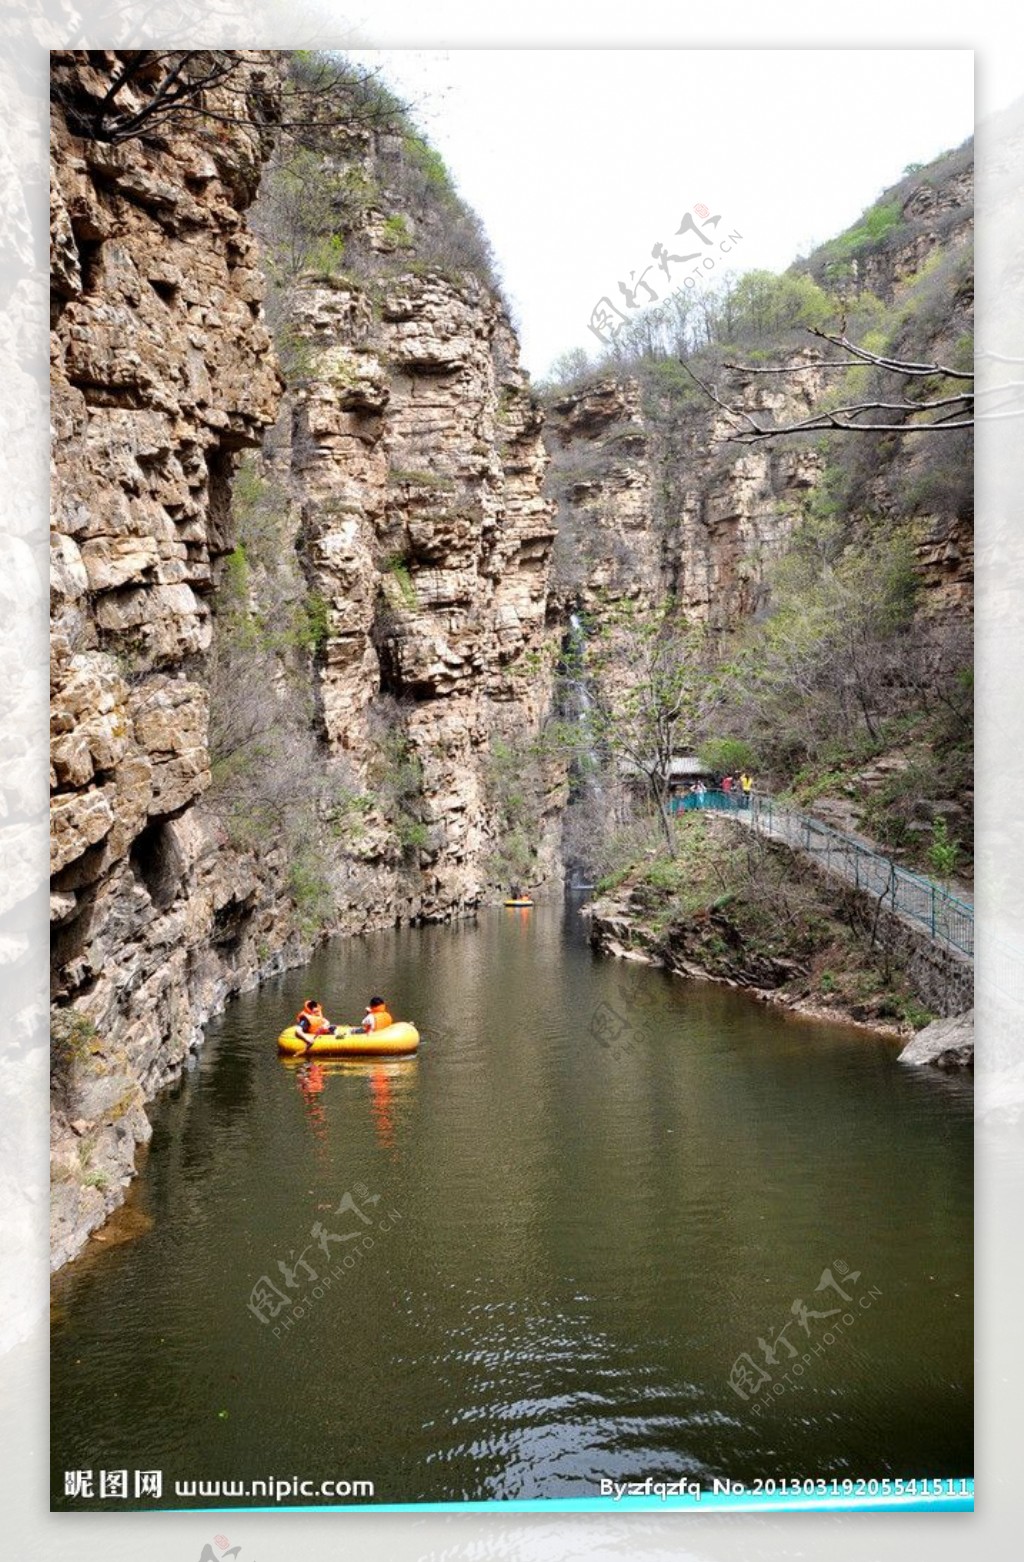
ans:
x=579 y=161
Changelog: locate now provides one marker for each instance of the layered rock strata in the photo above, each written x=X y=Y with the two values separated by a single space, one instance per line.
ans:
x=654 y=500
x=162 y=371
x=656 y=504
x=410 y=455
x=417 y=462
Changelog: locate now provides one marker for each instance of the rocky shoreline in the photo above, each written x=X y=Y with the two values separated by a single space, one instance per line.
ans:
x=605 y=941
x=620 y=932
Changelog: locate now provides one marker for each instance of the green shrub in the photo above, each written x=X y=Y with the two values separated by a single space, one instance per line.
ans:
x=877 y=225
x=310 y=889
x=396 y=775
x=514 y=778
x=412 y=834
x=943 y=852
x=316 y=626
x=916 y=1014
x=428 y=161
x=326 y=255
x=71 y=1039
x=396 y=231
x=298 y=356
x=766 y=305
x=611 y=881
x=398 y=571
x=420 y=479
x=725 y=755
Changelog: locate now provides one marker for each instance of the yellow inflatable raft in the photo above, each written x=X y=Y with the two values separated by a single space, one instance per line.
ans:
x=522 y=901
x=393 y=1041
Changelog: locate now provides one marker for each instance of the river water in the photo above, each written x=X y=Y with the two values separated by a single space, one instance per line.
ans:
x=580 y=1235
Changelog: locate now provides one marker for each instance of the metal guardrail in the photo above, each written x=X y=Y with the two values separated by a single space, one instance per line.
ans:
x=946 y=918
x=720 y=801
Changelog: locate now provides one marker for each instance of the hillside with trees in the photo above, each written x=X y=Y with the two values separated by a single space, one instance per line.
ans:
x=802 y=596
x=829 y=571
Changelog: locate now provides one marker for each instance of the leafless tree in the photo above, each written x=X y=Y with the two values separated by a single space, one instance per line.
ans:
x=653 y=694
x=151 y=89
x=905 y=415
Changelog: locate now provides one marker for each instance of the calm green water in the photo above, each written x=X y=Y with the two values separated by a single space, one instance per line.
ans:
x=572 y=1243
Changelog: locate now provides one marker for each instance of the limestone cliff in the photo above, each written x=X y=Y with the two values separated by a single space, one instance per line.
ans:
x=657 y=506
x=410 y=446
x=929 y=211
x=346 y=673
x=653 y=501
x=417 y=464
x=652 y=505
x=162 y=371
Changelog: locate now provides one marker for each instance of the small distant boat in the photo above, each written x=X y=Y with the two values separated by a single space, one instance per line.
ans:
x=395 y=1040
x=521 y=900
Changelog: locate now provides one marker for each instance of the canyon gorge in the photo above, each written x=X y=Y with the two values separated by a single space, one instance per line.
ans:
x=318 y=543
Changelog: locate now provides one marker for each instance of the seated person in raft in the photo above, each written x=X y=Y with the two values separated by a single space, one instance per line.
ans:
x=376 y=1016
x=310 y=1022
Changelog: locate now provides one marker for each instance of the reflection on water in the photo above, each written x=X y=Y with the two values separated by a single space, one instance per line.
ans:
x=534 y=1254
x=386 y=1079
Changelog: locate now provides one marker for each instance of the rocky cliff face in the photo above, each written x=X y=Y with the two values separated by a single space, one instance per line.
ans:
x=933 y=210
x=162 y=371
x=651 y=504
x=417 y=463
x=651 y=499
x=921 y=268
x=408 y=454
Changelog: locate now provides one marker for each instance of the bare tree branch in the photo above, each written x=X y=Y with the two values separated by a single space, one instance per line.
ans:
x=859 y=355
x=320 y=94
x=955 y=411
x=898 y=365
x=789 y=368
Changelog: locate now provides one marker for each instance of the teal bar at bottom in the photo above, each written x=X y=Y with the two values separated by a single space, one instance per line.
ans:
x=957 y=1498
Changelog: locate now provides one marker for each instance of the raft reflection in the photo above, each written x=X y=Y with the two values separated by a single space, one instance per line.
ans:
x=390 y=1086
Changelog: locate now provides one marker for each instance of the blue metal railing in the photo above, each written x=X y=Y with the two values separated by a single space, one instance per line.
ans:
x=721 y=801
x=948 y=919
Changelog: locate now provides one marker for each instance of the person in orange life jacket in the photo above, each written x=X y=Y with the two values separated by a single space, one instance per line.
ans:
x=376 y=1016
x=310 y=1022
